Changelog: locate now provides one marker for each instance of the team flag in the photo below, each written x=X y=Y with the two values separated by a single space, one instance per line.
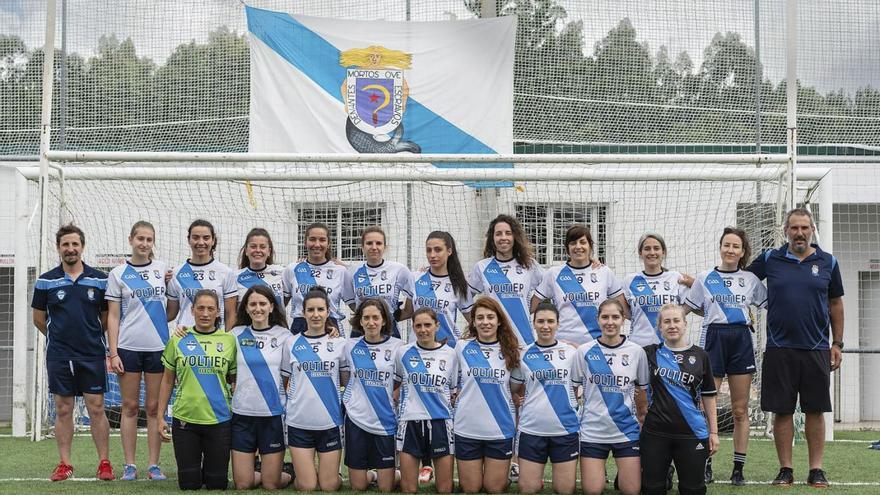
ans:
x=322 y=85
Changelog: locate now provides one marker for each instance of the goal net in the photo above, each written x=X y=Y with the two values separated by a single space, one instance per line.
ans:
x=688 y=204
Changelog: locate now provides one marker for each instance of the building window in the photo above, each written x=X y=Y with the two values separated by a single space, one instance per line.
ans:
x=545 y=224
x=346 y=222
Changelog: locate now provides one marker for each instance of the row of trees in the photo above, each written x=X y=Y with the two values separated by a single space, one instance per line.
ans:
x=622 y=92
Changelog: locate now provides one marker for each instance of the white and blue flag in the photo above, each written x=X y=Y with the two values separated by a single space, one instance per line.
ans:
x=325 y=85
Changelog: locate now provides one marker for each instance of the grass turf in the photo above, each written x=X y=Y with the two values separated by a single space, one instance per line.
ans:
x=25 y=467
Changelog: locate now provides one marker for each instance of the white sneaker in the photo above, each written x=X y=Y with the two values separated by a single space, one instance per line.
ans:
x=373 y=476
x=426 y=474
x=514 y=472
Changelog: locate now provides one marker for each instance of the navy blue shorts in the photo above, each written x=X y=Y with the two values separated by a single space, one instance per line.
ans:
x=365 y=450
x=321 y=440
x=730 y=350
x=471 y=449
x=74 y=378
x=257 y=433
x=538 y=449
x=141 y=361
x=601 y=450
x=426 y=438
x=300 y=325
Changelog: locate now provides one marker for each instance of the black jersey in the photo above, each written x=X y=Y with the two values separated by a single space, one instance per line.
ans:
x=679 y=379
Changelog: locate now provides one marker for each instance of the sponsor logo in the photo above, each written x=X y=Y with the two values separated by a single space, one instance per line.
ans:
x=190 y=346
x=413 y=362
x=699 y=447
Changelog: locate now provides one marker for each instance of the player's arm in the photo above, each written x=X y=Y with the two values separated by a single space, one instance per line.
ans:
x=517 y=391
x=344 y=376
x=113 y=336
x=104 y=319
x=533 y=305
x=40 y=320
x=165 y=388
x=641 y=398
x=229 y=312
x=172 y=307
x=621 y=298
x=406 y=311
x=835 y=310
x=711 y=421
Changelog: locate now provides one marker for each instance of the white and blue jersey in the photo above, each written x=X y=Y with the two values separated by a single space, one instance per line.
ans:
x=313 y=365
x=436 y=292
x=367 y=398
x=578 y=292
x=427 y=378
x=301 y=277
x=387 y=281
x=511 y=284
x=190 y=278
x=646 y=294
x=260 y=355
x=140 y=292
x=725 y=297
x=270 y=276
x=550 y=405
x=609 y=376
x=484 y=408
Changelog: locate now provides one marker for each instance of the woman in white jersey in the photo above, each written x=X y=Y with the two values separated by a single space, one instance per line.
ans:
x=428 y=373
x=724 y=295
x=370 y=418
x=509 y=273
x=614 y=374
x=137 y=331
x=578 y=287
x=548 y=420
x=646 y=291
x=201 y=271
x=317 y=270
x=377 y=277
x=316 y=366
x=262 y=343
x=443 y=286
x=256 y=266
x=485 y=424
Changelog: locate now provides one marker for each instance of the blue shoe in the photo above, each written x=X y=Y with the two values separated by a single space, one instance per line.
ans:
x=129 y=472
x=156 y=474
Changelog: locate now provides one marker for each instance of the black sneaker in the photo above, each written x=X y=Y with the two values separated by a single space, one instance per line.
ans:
x=785 y=477
x=736 y=478
x=669 y=474
x=258 y=465
x=708 y=474
x=287 y=467
x=817 y=479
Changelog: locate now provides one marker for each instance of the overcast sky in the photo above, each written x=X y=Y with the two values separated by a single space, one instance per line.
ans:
x=839 y=40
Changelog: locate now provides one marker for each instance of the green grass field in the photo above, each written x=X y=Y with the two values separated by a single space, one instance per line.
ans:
x=25 y=467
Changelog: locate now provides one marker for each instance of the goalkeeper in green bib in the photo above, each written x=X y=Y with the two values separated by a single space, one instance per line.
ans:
x=202 y=365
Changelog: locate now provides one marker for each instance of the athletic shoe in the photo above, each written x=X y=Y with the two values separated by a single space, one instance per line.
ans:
x=156 y=474
x=669 y=474
x=62 y=472
x=287 y=467
x=105 y=471
x=737 y=478
x=129 y=472
x=258 y=465
x=785 y=477
x=373 y=476
x=708 y=473
x=426 y=474
x=817 y=479
x=513 y=476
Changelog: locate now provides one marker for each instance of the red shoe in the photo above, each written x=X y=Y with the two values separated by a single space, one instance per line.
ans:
x=105 y=471
x=62 y=472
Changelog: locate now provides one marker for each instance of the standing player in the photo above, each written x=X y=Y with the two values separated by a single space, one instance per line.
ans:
x=137 y=331
x=201 y=364
x=509 y=273
x=653 y=287
x=370 y=419
x=614 y=374
x=317 y=270
x=724 y=295
x=578 y=287
x=428 y=373
x=376 y=277
x=484 y=414
x=443 y=287
x=257 y=266
x=675 y=429
x=548 y=421
x=69 y=309
x=263 y=343
x=201 y=271
x=316 y=366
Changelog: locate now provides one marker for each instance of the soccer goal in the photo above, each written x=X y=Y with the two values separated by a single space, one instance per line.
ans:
x=688 y=199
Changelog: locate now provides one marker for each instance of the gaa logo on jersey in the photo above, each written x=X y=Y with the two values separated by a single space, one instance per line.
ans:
x=387 y=354
x=91 y=294
x=129 y=276
x=624 y=359
x=442 y=365
x=61 y=295
x=594 y=357
x=594 y=278
x=815 y=269
x=357 y=350
x=692 y=360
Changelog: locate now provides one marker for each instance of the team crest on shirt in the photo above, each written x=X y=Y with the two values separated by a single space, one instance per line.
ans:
x=519 y=270
x=562 y=354
x=742 y=282
x=692 y=360
x=666 y=285
x=219 y=346
x=61 y=295
x=329 y=274
x=384 y=275
x=815 y=269
x=274 y=342
x=329 y=346
x=442 y=365
x=624 y=359
x=387 y=354
x=91 y=294
x=594 y=278
x=211 y=275
x=157 y=274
